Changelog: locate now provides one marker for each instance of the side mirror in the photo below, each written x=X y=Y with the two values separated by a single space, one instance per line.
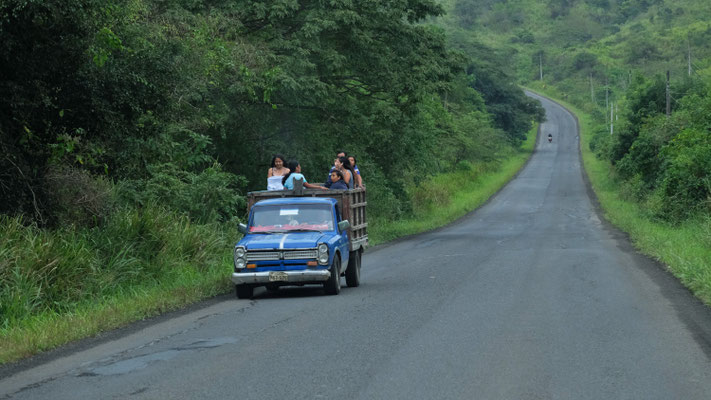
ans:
x=343 y=225
x=242 y=228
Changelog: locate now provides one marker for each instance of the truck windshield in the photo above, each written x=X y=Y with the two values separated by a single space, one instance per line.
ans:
x=285 y=218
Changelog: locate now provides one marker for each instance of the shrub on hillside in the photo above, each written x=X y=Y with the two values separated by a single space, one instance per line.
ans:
x=382 y=200
x=645 y=99
x=686 y=182
x=600 y=141
x=208 y=196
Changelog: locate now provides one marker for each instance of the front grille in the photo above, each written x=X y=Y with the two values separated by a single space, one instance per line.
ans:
x=262 y=256
x=273 y=255
x=300 y=254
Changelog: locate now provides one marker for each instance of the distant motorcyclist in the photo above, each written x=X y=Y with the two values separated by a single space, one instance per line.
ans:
x=550 y=138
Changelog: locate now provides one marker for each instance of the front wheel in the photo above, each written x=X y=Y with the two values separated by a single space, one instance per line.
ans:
x=244 y=291
x=353 y=271
x=333 y=284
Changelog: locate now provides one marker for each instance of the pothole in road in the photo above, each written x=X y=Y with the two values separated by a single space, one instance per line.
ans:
x=137 y=363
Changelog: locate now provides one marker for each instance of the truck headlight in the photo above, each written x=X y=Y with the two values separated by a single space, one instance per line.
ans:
x=240 y=263
x=323 y=254
x=240 y=252
x=239 y=257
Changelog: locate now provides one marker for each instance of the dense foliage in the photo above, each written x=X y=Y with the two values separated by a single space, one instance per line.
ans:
x=120 y=116
x=159 y=94
x=611 y=57
x=663 y=160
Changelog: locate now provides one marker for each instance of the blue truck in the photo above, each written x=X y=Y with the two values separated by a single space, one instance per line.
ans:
x=299 y=237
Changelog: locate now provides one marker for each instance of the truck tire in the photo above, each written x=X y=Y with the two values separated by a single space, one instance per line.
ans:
x=244 y=291
x=333 y=285
x=353 y=271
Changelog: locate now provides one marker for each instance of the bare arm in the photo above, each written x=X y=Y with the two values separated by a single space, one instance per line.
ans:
x=310 y=186
x=347 y=176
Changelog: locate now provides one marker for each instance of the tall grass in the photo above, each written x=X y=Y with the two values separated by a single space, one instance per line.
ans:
x=685 y=249
x=60 y=285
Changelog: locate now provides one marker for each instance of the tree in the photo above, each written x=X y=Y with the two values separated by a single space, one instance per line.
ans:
x=645 y=98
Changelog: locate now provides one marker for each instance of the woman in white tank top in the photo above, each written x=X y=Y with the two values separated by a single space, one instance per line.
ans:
x=276 y=172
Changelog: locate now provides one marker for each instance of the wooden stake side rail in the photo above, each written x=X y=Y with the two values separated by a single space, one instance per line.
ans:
x=352 y=204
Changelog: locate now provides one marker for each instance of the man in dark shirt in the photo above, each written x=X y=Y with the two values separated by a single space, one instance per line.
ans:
x=337 y=180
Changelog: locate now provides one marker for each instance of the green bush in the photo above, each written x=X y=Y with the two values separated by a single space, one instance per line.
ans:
x=686 y=182
x=382 y=201
x=600 y=141
x=641 y=161
x=464 y=166
x=644 y=100
x=634 y=189
x=644 y=156
x=209 y=196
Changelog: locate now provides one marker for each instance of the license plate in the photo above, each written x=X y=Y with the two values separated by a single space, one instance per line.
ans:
x=278 y=276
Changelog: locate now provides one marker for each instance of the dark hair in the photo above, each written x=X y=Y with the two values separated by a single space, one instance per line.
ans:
x=341 y=151
x=355 y=160
x=292 y=164
x=279 y=156
x=347 y=165
x=337 y=172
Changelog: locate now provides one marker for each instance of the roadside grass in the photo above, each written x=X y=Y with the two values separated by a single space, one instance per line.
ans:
x=50 y=329
x=61 y=286
x=685 y=249
x=447 y=197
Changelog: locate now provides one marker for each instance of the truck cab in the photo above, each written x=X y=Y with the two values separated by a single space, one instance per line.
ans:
x=296 y=241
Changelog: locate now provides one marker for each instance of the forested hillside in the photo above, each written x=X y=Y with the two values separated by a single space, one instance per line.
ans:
x=610 y=58
x=130 y=130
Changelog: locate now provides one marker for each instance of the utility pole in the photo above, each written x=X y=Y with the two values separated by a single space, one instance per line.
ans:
x=668 y=96
x=612 y=121
x=607 y=93
x=540 y=65
x=592 y=91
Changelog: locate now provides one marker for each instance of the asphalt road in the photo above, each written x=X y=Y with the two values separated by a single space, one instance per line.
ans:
x=530 y=297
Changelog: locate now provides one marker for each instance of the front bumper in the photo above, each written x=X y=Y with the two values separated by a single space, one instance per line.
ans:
x=319 y=275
